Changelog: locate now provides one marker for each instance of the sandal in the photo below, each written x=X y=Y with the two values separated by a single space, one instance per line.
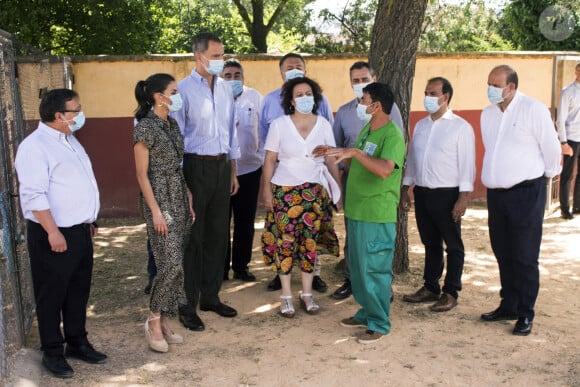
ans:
x=286 y=307
x=310 y=307
x=156 y=345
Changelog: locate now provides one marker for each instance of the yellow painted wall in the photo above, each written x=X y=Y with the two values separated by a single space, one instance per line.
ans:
x=106 y=84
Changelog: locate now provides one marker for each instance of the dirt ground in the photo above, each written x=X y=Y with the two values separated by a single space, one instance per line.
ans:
x=260 y=348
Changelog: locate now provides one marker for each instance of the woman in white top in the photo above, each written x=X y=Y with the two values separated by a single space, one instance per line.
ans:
x=297 y=190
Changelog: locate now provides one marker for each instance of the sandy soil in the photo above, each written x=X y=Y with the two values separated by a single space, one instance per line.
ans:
x=260 y=348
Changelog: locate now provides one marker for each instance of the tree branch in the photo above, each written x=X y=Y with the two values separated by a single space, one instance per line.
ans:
x=275 y=15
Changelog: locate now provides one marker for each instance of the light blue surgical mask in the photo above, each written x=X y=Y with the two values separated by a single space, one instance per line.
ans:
x=176 y=102
x=358 y=89
x=361 y=112
x=431 y=104
x=78 y=122
x=494 y=94
x=304 y=104
x=237 y=86
x=215 y=66
x=294 y=73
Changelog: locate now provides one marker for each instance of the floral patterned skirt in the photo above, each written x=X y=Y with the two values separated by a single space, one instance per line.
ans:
x=300 y=224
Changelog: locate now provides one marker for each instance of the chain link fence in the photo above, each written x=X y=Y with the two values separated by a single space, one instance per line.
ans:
x=25 y=74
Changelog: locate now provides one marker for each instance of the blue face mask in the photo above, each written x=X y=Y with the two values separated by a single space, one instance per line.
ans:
x=494 y=94
x=237 y=86
x=304 y=104
x=361 y=112
x=78 y=122
x=294 y=73
x=215 y=66
x=176 y=102
x=431 y=104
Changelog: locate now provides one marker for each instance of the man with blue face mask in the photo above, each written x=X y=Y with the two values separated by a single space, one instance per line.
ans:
x=60 y=201
x=521 y=151
x=207 y=123
x=291 y=65
x=441 y=168
x=249 y=171
x=348 y=122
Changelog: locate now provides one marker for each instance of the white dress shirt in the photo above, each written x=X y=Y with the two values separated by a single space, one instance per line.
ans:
x=442 y=154
x=520 y=143
x=206 y=119
x=296 y=164
x=569 y=113
x=247 y=115
x=55 y=174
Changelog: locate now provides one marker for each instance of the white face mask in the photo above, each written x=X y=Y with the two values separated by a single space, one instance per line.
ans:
x=361 y=112
x=294 y=73
x=358 y=89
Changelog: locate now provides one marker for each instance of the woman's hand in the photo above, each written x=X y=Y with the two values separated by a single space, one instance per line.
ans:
x=159 y=224
x=268 y=199
x=190 y=202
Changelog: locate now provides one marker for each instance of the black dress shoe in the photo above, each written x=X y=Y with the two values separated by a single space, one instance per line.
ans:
x=192 y=322
x=86 y=353
x=319 y=285
x=147 y=289
x=275 y=284
x=343 y=292
x=244 y=276
x=576 y=210
x=499 y=315
x=523 y=327
x=567 y=215
x=57 y=366
x=221 y=309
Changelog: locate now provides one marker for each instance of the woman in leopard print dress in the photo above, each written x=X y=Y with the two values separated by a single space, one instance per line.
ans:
x=166 y=201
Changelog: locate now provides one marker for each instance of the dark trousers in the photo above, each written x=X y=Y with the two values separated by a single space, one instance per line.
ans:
x=151 y=267
x=515 y=218
x=243 y=209
x=203 y=262
x=433 y=212
x=566 y=179
x=62 y=284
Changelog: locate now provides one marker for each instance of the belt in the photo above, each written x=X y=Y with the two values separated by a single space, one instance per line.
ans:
x=222 y=156
x=441 y=189
x=522 y=184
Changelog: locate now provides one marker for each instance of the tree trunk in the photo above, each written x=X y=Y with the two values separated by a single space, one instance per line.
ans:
x=394 y=43
x=259 y=35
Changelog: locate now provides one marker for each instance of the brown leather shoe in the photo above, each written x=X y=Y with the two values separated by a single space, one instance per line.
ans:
x=421 y=295
x=445 y=303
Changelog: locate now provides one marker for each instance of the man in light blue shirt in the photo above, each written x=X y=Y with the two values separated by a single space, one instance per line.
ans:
x=292 y=65
x=249 y=170
x=207 y=122
x=347 y=126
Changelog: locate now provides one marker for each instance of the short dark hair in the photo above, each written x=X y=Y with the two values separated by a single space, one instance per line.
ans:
x=291 y=55
x=446 y=87
x=288 y=89
x=511 y=75
x=233 y=62
x=201 y=41
x=53 y=102
x=144 y=90
x=381 y=92
x=361 y=65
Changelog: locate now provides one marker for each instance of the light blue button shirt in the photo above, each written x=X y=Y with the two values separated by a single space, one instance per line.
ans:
x=55 y=174
x=272 y=109
x=207 y=120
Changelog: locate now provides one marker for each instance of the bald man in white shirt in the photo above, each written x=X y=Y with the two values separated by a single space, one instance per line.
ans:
x=441 y=167
x=521 y=150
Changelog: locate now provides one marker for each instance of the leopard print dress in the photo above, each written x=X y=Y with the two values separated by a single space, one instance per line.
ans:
x=166 y=176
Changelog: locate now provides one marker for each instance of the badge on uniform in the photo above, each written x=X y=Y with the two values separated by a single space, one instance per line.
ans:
x=370 y=148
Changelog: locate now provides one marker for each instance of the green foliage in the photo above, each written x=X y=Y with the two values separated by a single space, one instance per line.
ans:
x=523 y=27
x=467 y=26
